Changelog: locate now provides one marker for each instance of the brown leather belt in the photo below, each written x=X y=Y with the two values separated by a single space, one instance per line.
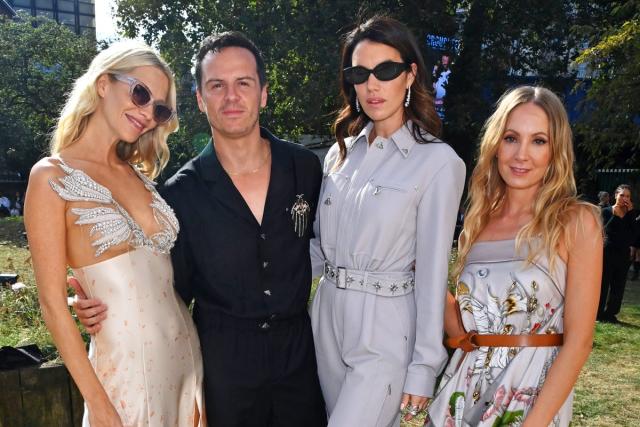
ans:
x=472 y=340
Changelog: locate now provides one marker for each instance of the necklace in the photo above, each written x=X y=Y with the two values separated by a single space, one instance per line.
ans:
x=252 y=171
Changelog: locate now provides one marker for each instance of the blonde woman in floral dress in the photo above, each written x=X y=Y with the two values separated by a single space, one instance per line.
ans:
x=529 y=268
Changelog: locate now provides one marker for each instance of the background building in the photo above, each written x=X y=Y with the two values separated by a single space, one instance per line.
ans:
x=78 y=15
x=6 y=9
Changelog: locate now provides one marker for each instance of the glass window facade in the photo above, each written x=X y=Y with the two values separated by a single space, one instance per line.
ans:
x=47 y=13
x=44 y=4
x=87 y=21
x=66 y=18
x=65 y=6
x=86 y=8
x=77 y=15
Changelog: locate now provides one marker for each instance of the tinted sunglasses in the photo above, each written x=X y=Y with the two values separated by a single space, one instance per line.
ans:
x=141 y=97
x=384 y=72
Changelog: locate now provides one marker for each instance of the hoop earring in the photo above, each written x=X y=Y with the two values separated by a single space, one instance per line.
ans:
x=406 y=102
x=357 y=105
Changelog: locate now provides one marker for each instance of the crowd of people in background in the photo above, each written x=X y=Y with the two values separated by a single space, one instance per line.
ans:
x=11 y=206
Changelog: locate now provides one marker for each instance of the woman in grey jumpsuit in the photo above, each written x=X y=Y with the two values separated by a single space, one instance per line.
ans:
x=384 y=227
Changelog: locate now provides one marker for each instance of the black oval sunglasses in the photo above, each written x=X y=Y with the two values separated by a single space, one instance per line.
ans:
x=385 y=71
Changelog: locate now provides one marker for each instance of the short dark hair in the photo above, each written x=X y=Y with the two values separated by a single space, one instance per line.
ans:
x=216 y=42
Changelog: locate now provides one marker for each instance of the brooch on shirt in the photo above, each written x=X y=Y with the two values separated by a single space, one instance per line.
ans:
x=300 y=215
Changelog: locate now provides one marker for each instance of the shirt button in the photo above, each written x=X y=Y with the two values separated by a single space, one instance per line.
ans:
x=264 y=326
x=273 y=316
x=265 y=264
x=263 y=236
x=267 y=293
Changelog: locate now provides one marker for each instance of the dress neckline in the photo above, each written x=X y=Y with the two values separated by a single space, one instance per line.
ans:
x=110 y=219
x=505 y=251
x=511 y=239
x=149 y=185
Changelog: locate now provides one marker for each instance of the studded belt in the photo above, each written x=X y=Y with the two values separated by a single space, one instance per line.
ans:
x=388 y=284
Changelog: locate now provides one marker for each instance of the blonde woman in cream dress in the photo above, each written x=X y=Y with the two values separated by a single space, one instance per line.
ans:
x=90 y=208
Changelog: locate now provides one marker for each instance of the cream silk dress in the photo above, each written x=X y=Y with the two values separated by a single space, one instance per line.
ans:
x=147 y=353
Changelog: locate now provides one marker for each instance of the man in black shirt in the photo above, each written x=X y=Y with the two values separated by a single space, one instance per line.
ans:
x=245 y=205
x=620 y=231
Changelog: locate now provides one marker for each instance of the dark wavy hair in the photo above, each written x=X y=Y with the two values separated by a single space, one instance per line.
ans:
x=421 y=110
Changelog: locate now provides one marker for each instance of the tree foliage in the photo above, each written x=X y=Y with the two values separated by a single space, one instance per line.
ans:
x=503 y=43
x=610 y=128
x=506 y=43
x=39 y=62
x=300 y=40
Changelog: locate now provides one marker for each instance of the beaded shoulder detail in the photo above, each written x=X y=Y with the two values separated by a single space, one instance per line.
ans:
x=111 y=222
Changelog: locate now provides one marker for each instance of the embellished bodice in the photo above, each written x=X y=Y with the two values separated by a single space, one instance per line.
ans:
x=111 y=223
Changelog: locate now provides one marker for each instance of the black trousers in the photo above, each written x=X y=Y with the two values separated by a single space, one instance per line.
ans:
x=260 y=376
x=614 y=278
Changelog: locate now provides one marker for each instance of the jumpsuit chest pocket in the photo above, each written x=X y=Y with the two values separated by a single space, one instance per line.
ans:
x=378 y=192
x=380 y=187
x=335 y=184
x=387 y=200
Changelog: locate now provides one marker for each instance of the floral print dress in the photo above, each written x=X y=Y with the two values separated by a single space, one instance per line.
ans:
x=500 y=293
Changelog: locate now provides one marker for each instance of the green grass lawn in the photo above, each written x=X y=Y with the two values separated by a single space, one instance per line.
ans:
x=608 y=390
x=20 y=320
x=607 y=393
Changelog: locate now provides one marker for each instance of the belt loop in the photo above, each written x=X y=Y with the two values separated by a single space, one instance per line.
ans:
x=341 y=278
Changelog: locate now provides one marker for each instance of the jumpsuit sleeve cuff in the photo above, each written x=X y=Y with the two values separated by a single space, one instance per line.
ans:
x=420 y=383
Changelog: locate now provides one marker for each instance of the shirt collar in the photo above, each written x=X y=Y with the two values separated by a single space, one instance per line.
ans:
x=211 y=169
x=402 y=138
x=362 y=136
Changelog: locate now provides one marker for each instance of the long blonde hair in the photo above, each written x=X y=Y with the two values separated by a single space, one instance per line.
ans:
x=556 y=196
x=150 y=152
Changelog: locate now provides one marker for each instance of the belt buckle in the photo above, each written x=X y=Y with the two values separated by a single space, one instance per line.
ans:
x=468 y=343
x=341 y=278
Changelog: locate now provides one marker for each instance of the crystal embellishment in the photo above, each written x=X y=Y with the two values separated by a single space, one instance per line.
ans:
x=111 y=223
x=483 y=272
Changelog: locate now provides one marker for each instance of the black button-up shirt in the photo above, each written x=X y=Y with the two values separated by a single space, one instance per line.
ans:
x=223 y=258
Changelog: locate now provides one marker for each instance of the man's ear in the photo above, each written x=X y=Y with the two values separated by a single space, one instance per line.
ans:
x=201 y=103
x=264 y=95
